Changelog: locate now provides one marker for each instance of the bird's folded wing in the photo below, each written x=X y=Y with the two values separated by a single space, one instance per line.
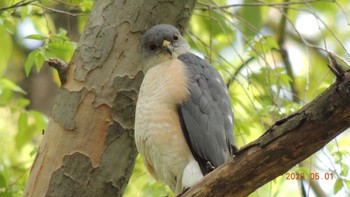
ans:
x=206 y=116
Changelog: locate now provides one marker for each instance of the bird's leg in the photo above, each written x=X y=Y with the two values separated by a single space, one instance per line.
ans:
x=209 y=166
x=183 y=191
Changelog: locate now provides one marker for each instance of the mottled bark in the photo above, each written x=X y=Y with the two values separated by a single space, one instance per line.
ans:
x=288 y=142
x=88 y=147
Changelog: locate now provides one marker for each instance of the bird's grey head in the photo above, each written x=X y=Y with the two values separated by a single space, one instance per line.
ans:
x=162 y=42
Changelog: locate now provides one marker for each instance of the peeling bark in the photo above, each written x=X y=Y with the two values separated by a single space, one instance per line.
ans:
x=88 y=148
x=286 y=143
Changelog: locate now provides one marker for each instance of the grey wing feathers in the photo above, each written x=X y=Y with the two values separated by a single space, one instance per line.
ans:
x=206 y=116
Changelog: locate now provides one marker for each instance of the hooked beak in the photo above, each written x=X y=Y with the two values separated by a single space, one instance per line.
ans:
x=167 y=46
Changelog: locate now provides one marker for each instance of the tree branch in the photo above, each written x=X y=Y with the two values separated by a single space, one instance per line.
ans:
x=283 y=4
x=61 y=68
x=286 y=143
x=17 y=5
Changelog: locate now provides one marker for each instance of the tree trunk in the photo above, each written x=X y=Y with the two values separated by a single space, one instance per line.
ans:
x=88 y=147
x=288 y=142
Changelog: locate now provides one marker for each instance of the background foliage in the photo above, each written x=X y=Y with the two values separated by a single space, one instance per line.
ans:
x=271 y=54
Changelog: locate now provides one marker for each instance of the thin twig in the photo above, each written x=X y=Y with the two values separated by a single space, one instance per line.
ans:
x=60 y=11
x=238 y=70
x=259 y=4
x=17 y=5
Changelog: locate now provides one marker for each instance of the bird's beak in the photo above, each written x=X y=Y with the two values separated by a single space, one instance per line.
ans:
x=167 y=46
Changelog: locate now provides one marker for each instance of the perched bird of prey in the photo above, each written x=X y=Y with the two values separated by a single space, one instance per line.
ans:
x=184 y=118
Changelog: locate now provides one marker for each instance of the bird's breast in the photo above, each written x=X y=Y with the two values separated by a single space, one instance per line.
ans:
x=158 y=133
x=166 y=82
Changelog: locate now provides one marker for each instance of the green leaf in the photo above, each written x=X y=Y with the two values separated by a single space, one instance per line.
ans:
x=2 y=181
x=86 y=5
x=40 y=120
x=27 y=129
x=29 y=62
x=33 y=152
x=22 y=124
x=24 y=12
x=62 y=50
x=58 y=38
x=9 y=26
x=22 y=102
x=36 y=37
x=344 y=169
x=6 y=98
x=62 y=32
x=263 y=45
x=38 y=60
x=6 y=84
x=347 y=182
x=252 y=22
x=303 y=171
x=6 y=46
x=337 y=186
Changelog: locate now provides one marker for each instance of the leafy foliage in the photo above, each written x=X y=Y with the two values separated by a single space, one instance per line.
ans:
x=19 y=129
x=57 y=46
x=271 y=54
x=273 y=66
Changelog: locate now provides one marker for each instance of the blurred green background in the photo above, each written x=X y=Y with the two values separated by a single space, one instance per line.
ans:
x=271 y=54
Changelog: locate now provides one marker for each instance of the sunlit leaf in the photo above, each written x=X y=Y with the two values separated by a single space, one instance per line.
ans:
x=63 y=50
x=33 y=152
x=6 y=97
x=337 y=186
x=38 y=60
x=36 y=37
x=86 y=5
x=344 y=169
x=2 y=180
x=6 y=84
x=263 y=45
x=251 y=16
x=347 y=183
x=40 y=120
x=22 y=102
x=25 y=11
x=6 y=47
x=9 y=26
x=29 y=62
x=22 y=137
x=62 y=32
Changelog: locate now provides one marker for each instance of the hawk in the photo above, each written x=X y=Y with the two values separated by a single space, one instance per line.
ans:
x=184 y=118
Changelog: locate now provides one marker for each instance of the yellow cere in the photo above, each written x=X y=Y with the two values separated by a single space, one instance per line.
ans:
x=165 y=43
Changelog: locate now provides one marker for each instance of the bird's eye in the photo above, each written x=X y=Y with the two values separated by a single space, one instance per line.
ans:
x=175 y=37
x=152 y=47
